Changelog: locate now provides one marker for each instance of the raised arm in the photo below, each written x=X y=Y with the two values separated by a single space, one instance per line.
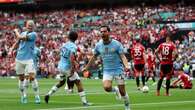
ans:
x=18 y=36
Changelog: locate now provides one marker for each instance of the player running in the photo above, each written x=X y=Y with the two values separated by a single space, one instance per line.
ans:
x=67 y=67
x=113 y=59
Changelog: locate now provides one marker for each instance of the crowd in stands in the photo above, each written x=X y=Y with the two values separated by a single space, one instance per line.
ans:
x=125 y=22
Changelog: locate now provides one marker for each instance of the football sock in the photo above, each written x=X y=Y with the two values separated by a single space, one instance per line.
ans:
x=137 y=81
x=113 y=89
x=143 y=80
x=125 y=98
x=35 y=87
x=26 y=83
x=167 y=85
x=159 y=84
x=147 y=78
x=83 y=96
x=52 y=90
x=21 y=88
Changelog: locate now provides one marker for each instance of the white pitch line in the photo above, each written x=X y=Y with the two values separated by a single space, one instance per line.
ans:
x=32 y=101
x=73 y=94
x=120 y=105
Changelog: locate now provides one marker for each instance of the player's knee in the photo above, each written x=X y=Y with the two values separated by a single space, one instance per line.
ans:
x=168 y=77
x=31 y=78
x=21 y=77
x=61 y=83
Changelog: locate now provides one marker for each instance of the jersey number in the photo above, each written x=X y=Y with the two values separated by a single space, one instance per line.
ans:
x=137 y=52
x=65 y=52
x=165 y=50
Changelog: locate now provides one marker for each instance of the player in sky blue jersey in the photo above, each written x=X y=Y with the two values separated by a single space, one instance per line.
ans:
x=68 y=68
x=114 y=61
x=25 y=68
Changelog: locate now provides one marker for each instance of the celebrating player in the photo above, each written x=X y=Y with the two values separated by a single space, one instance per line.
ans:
x=67 y=67
x=114 y=60
x=25 y=67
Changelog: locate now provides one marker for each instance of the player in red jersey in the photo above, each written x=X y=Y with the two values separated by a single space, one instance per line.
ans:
x=138 y=55
x=150 y=58
x=166 y=54
x=182 y=82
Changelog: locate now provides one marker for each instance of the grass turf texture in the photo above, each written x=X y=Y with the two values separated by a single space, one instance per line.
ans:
x=10 y=97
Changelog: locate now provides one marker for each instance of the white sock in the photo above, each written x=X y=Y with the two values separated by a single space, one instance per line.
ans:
x=52 y=90
x=126 y=98
x=26 y=83
x=66 y=87
x=35 y=87
x=83 y=96
x=113 y=89
x=21 y=88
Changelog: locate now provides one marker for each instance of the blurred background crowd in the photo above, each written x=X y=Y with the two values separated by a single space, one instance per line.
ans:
x=152 y=23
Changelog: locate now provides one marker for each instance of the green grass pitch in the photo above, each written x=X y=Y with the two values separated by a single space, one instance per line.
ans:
x=10 y=97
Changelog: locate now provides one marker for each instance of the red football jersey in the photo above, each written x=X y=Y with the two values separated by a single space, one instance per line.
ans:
x=185 y=79
x=137 y=53
x=166 y=51
x=150 y=59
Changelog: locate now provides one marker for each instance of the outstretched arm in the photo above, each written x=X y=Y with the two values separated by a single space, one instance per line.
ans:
x=176 y=82
x=92 y=59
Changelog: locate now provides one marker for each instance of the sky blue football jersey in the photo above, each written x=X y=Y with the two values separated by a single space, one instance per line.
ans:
x=25 y=50
x=68 y=49
x=110 y=55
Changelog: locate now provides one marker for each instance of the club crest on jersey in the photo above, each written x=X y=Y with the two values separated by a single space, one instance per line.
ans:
x=112 y=49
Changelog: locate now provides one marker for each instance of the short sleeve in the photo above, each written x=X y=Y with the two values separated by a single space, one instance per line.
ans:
x=120 y=49
x=96 y=50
